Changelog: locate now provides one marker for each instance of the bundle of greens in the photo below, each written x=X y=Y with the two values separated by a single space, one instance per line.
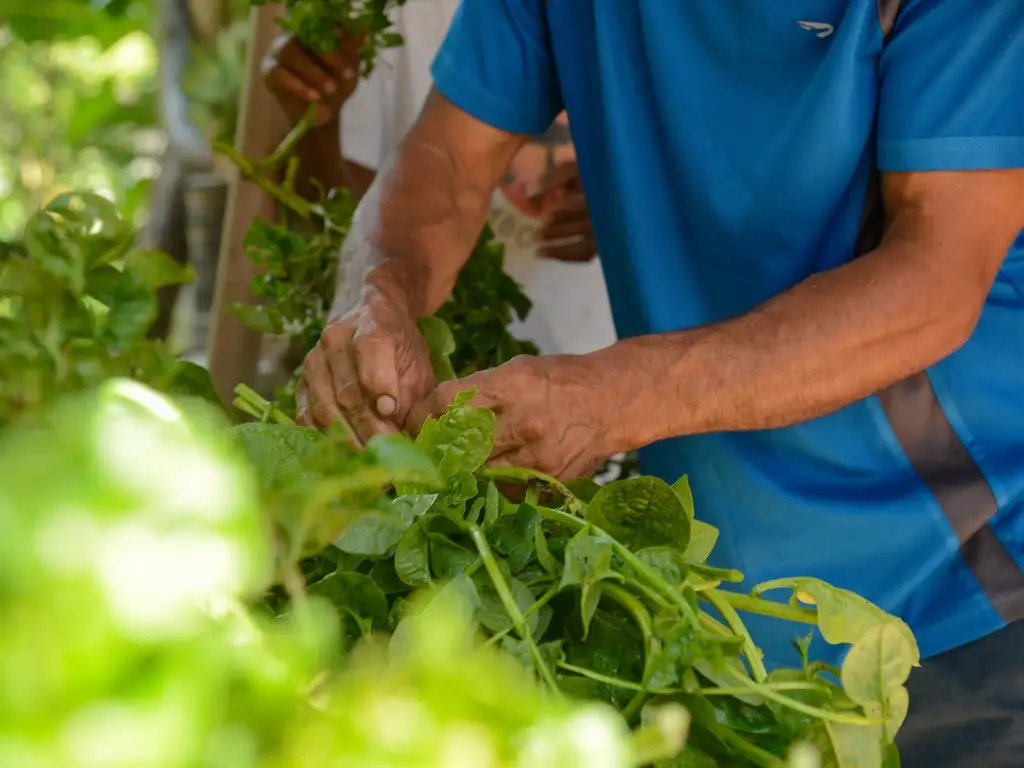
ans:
x=604 y=593
x=322 y=24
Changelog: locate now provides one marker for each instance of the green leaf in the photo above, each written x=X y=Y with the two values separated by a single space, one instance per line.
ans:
x=384 y=576
x=583 y=488
x=613 y=647
x=492 y=507
x=551 y=652
x=588 y=561
x=377 y=533
x=441 y=344
x=75 y=233
x=492 y=614
x=703 y=538
x=355 y=594
x=682 y=490
x=279 y=452
x=192 y=380
x=448 y=558
x=462 y=439
x=407 y=462
x=512 y=536
x=131 y=305
x=464 y=590
x=156 y=269
x=875 y=672
x=412 y=557
x=843 y=616
x=641 y=512
x=667 y=562
x=462 y=487
x=855 y=746
x=544 y=556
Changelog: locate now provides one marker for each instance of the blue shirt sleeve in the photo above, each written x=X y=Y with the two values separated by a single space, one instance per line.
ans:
x=496 y=64
x=952 y=87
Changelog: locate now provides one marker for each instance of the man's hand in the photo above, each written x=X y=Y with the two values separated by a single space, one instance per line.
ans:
x=298 y=77
x=556 y=413
x=567 y=234
x=410 y=236
x=370 y=367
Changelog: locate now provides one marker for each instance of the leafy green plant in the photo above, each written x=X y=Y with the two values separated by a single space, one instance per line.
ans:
x=75 y=306
x=605 y=593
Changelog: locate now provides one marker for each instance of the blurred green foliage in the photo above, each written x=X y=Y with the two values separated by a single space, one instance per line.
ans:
x=77 y=104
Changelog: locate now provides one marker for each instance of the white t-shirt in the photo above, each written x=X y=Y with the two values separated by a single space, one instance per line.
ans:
x=570 y=312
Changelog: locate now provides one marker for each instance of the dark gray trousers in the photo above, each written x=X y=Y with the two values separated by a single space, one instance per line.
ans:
x=967 y=706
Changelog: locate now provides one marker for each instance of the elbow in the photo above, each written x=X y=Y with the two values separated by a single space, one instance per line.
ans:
x=956 y=322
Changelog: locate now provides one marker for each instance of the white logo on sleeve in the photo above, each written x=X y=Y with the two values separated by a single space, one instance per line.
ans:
x=823 y=29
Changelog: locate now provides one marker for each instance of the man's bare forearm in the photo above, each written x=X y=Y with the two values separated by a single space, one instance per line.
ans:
x=841 y=335
x=418 y=222
x=830 y=341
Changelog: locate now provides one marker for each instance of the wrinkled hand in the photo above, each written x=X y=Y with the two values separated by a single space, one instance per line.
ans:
x=554 y=414
x=369 y=368
x=567 y=234
x=297 y=77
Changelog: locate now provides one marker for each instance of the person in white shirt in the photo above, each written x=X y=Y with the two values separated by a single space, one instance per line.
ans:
x=538 y=211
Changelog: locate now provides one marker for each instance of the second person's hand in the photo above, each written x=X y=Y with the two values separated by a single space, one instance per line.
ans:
x=567 y=234
x=297 y=77
x=368 y=370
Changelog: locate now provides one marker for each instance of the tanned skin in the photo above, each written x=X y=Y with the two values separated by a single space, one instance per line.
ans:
x=835 y=338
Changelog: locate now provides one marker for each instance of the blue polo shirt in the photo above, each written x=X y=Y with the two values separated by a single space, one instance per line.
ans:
x=728 y=151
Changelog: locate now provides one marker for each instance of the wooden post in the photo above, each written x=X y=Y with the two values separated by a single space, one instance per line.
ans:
x=233 y=349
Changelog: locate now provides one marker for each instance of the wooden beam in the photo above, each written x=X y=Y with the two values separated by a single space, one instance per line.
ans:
x=233 y=349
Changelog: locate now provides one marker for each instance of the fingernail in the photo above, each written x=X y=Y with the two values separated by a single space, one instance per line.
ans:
x=386 y=405
x=330 y=86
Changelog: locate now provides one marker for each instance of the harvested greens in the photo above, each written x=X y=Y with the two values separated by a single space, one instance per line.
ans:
x=321 y=24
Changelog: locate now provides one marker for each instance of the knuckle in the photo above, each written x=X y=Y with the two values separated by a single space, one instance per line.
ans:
x=311 y=362
x=336 y=337
x=348 y=393
x=521 y=364
x=533 y=428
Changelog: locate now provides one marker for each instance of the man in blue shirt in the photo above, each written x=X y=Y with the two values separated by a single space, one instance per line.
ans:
x=807 y=214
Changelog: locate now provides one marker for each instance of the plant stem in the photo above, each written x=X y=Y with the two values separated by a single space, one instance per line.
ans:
x=509 y=602
x=743 y=691
x=290 y=200
x=763 y=607
x=740 y=745
x=541 y=602
x=287 y=147
x=750 y=650
x=652 y=646
x=526 y=476
x=638 y=566
x=799 y=706
x=250 y=402
x=616 y=682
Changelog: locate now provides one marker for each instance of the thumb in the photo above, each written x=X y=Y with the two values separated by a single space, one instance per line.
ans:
x=377 y=369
